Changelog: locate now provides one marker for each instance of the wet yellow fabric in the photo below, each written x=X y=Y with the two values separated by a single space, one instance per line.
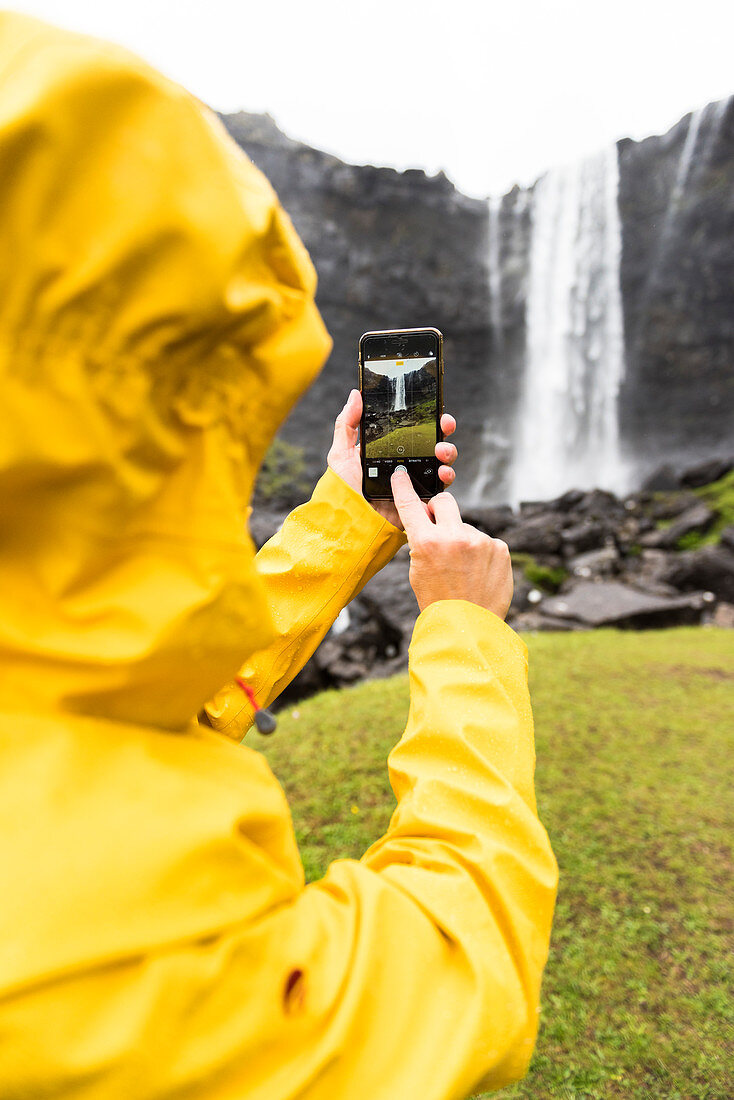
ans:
x=323 y=555
x=156 y=937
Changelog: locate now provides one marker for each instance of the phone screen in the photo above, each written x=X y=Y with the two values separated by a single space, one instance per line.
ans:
x=400 y=394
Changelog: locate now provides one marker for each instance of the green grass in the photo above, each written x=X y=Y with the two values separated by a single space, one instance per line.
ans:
x=720 y=498
x=548 y=578
x=633 y=780
x=417 y=441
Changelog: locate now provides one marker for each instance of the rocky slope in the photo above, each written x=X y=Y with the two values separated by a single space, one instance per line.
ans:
x=659 y=557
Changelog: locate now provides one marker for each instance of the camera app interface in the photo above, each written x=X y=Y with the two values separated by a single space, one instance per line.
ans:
x=400 y=398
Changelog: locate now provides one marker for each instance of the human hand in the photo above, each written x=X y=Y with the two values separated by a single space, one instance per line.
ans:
x=450 y=559
x=343 y=457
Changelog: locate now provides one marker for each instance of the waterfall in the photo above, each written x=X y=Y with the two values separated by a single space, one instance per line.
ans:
x=568 y=433
x=506 y=242
x=495 y=273
x=712 y=115
x=681 y=176
x=399 y=399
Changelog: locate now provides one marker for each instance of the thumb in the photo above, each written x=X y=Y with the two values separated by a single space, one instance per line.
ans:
x=347 y=423
x=409 y=505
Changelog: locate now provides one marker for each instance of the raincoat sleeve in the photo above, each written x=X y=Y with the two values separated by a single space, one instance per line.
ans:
x=321 y=558
x=413 y=973
x=429 y=951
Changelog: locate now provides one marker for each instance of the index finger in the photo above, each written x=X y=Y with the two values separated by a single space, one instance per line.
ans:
x=408 y=503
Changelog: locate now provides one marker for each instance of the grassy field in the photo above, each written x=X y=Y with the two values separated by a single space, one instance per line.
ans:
x=417 y=441
x=634 y=742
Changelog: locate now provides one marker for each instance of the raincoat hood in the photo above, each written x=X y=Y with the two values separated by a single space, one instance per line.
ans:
x=157 y=324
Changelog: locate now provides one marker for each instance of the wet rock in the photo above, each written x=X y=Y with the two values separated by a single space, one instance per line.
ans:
x=610 y=603
x=670 y=505
x=628 y=532
x=727 y=537
x=696 y=519
x=522 y=589
x=710 y=569
x=600 y=504
x=604 y=562
x=492 y=521
x=662 y=480
x=390 y=590
x=537 y=620
x=530 y=508
x=703 y=473
x=567 y=502
x=645 y=569
x=538 y=535
x=582 y=537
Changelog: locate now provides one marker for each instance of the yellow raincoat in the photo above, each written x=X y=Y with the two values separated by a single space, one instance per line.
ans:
x=156 y=937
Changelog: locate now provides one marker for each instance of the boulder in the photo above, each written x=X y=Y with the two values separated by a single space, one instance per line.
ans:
x=703 y=473
x=696 y=519
x=537 y=620
x=628 y=531
x=610 y=603
x=584 y=536
x=493 y=521
x=522 y=588
x=538 y=535
x=530 y=508
x=390 y=590
x=671 y=505
x=727 y=537
x=600 y=504
x=603 y=562
x=662 y=480
x=710 y=569
x=568 y=502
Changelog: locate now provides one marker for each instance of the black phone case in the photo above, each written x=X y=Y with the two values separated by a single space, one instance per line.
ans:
x=439 y=410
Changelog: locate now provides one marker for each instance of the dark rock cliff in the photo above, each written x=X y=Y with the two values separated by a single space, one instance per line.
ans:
x=392 y=250
x=398 y=250
x=677 y=277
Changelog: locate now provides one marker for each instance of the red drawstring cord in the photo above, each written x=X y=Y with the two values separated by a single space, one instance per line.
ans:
x=264 y=720
x=248 y=692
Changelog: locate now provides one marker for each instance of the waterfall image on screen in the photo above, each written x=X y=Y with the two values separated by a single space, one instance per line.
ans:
x=400 y=407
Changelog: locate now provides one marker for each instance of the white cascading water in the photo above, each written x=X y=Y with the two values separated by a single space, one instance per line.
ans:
x=682 y=173
x=568 y=432
x=481 y=486
x=399 y=400
x=495 y=272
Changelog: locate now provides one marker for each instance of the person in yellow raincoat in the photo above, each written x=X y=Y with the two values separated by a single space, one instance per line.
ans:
x=157 y=939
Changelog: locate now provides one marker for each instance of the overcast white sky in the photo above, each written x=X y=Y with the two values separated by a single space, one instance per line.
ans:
x=492 y=92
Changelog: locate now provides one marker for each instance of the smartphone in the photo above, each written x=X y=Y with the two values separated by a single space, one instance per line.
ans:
x=401 y=382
